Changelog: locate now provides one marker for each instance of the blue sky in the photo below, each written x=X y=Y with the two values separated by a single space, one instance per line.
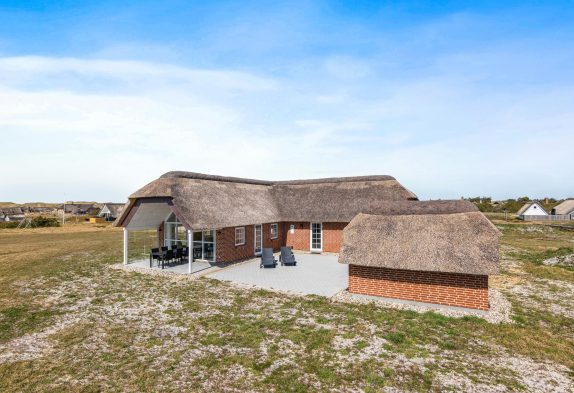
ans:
x=453 y=99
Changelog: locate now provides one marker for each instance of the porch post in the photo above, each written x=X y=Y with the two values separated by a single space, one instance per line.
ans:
x=189 y=251
x=125 y=246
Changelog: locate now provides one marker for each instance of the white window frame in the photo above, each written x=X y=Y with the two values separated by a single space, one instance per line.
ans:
x=255 y=227
x=276 y=225
x=320 y=224
x=238 y=230
x=203 y=242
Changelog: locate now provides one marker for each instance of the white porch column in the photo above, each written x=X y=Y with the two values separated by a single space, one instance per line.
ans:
x=125 y=246
x=189 y=251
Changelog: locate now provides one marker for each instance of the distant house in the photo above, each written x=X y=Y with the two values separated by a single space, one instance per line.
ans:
x=79 y=209
x=564 y=208
x=531 y=209
x=111 y=211
x=11 y=214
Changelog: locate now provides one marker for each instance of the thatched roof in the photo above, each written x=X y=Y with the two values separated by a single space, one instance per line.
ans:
x=454 y=242
x=205 y=201
x=565 y=207
x=114 y=209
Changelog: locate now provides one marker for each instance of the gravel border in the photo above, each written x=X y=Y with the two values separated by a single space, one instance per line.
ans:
x=162 y=272
x=500 y=307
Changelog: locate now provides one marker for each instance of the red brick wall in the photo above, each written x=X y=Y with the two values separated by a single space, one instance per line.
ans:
x=301 y=238
x=452 y=289
x=227 y=251
x=333 y=236
x=276 y=243
x=160 y=235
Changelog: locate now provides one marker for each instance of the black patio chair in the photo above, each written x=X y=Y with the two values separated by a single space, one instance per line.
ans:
x=267 y=258
x=185 y=253
x=287 y=258
x=178 y=254
x=168 y=258
x=155 y=255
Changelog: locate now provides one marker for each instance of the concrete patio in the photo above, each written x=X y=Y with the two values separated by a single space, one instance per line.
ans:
x=315 y=274
x=196 y=266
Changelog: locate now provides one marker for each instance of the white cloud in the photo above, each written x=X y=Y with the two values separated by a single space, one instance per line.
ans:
x=99 y=129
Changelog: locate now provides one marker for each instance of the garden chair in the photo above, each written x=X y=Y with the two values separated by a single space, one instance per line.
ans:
x=287 y=258
x=267 y=258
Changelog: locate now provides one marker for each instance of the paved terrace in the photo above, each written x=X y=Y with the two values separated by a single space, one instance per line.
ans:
x=180 y=268
x=315 y=274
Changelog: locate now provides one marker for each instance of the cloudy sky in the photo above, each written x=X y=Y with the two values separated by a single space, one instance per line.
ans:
x=462 y=99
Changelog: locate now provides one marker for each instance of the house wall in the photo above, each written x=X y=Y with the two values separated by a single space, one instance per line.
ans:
x=160 y=234
x=534 y=210
x=451 y=289
x=301 y=238
x=333 y=236
x=227 y=251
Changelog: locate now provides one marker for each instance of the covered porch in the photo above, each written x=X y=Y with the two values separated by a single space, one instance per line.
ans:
x=155 y=238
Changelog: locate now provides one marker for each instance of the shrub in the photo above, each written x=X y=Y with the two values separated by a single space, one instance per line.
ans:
x=9 y=224
x=42 y=222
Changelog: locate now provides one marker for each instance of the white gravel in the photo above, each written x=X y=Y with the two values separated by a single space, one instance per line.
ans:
x=500 y=308
x=564 y=260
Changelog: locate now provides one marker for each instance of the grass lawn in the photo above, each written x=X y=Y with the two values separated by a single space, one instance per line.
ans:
x=68 y=322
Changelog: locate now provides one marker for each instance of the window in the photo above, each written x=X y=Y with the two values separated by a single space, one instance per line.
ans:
x=240 y=236
x=204 y=245
x=175 y=233
x=274 y=231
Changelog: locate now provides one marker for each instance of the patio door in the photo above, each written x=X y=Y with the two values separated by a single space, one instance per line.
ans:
x=316 y=237
x=258 y=236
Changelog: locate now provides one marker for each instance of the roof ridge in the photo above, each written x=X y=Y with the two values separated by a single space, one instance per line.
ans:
x=230 y=179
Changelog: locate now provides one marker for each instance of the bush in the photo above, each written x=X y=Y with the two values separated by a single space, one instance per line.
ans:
x=8 y=224
x=42 y=222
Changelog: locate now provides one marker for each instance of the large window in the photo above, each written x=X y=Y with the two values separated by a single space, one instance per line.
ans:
x=204 y=245
x=174 y=233
x=239 y=236
x=274 y=231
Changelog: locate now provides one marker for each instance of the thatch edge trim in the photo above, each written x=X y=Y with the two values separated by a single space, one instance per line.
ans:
x=230 y=179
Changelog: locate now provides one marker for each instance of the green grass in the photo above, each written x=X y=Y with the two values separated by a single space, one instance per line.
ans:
x=135 y=332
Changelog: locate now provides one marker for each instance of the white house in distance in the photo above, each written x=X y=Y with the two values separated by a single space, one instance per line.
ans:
x=531 y=209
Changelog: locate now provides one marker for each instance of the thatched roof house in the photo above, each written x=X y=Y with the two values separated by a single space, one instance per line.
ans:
x=465 y=242
x=206 y=201
x=395 y=245
x=111 y=211
x=564 y=208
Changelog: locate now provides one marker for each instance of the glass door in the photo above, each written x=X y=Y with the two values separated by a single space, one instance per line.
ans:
x=316 y=236
x=204 y=245
x=258 y=236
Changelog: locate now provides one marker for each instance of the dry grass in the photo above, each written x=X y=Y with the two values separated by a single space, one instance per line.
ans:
x=68 y=322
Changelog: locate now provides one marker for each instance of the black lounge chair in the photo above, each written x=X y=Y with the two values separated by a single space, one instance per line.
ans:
x=287 y=258
x=267 y=258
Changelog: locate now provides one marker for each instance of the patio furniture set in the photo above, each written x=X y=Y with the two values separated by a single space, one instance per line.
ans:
x=168 y=256
x=286 y=258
